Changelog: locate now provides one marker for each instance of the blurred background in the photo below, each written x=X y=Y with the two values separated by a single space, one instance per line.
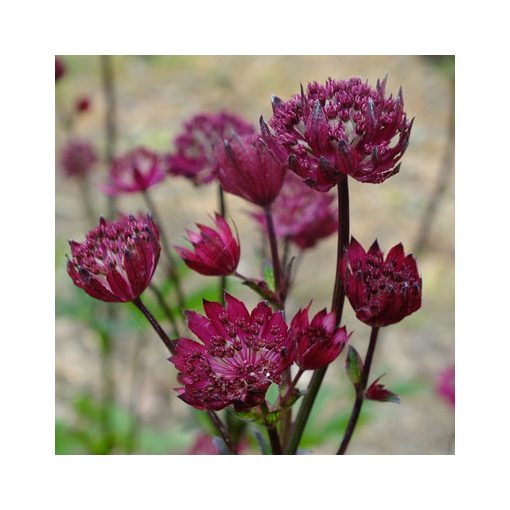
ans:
x=114 y=385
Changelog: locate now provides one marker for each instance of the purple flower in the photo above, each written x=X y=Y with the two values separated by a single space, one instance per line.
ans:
x=317 y=343
x=117 y=260
x=135 y=171
x=342 y=127
x=82 y=104
x=251 y=169
x=382 y=292
x=60 y=68
x=78 y=158
x=446 y=385
x=239 y=356
x=301 y=214
x=216 y=251
x=195 y=146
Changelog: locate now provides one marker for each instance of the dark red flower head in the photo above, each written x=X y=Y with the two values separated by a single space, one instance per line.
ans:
x=342 y=127
x=82 y=104
x=78 y=158
x=195 y=146
x=252 y=169
x=60 y=68
x=382 y=292
x=239 y=356
x=317 y=343
x=117 y=259
x=135 y=171
x=216 y=251
x=446 y=385
x=302 y=214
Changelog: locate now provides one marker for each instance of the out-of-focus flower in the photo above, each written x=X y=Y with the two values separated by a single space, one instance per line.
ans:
x=342 y=127
x=205 y=445
x=82 y=104
x=446 y=385
x=216 y=251
x=60 y=68
x=194 y=147
x=135 y=171
x=78 y=158
x=240 y=355
x=382 y=292
x=317 y=343
x=301 y=214
x=117 y=260
x=376 y=391
x=252 y=169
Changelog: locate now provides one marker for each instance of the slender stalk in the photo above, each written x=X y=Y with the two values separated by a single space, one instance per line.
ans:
x=222 y=431
x=360 y=394
x=110 y=119
x=273 y=243
x=155 y=324
x=337 y=305
x=223 y=212
x=107 y=390
x=172 y=269
x=274 y=439
x=88 y=207
x=164 y=306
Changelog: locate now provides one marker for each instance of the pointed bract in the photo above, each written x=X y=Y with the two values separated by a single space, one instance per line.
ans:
x=379 y=393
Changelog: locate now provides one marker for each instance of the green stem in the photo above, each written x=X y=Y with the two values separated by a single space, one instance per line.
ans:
x=274 y=439
x=360 y=393
x=223 y=212
x=337 y=306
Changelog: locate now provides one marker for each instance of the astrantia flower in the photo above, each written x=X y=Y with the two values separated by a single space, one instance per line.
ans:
x=135 y=171
x=194 y=154
x=59 y=68
x=382 y=292
x=239 y=356
x=78 y=158
x=446 y=385
x=302 y=214
x=216 y=251
x=342 y=127
x=319 y=342
x=252 y=169
x=117 y=259
x=82 y=104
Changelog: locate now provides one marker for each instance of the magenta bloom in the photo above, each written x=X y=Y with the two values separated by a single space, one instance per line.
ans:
x=240 y=355
x=382 y=292
x=135 y=171
x=342 y=127
x=317 y=343
x=195 y=146
x=78 y=158
x=60 y=68
x=302 y=214
x=252 y=169
x=82 y=104
x=216 y=252
x=117 y=260
x=446 y=385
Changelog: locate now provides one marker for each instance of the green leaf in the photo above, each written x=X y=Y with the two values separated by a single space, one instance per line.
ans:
x=267 y=269
x=353 y=366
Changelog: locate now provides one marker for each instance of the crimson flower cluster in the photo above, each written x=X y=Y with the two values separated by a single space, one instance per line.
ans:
x=78 y=158
x=319 y=342
x=135 y=171
x=116 y=261
x=342 y=127
x=252 y=169
x=446 y=385
x=82 y=104
x=194 y=154
x=382 y=292
x=60 y=68
x=216 y=252
x=239 y=356
x=301 y=214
